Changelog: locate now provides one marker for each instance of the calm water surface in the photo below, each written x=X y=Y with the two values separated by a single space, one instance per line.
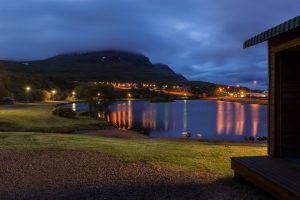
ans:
x=214 y=120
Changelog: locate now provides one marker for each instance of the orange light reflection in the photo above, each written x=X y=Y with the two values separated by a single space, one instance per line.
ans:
x=220 y=117
x=255 y=118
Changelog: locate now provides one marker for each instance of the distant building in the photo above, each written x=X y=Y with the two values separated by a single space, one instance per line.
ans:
x=257 y=95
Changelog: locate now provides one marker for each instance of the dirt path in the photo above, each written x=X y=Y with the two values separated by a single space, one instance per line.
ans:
x=88 y=175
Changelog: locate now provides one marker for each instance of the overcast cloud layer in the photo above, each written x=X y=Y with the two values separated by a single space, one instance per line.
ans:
x=202 y=39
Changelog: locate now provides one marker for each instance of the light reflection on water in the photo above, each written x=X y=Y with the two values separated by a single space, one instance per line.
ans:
x=215 y=120
x=74 y=106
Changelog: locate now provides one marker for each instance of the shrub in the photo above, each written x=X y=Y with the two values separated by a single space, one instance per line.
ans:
x=85 y=113
x=64 y=112
x=35 y=95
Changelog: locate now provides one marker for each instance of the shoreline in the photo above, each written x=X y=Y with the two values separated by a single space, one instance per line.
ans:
x=113 y=132
x=226 y=99
x=239 y=100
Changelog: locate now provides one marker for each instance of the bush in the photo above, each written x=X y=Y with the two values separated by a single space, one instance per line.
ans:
x=85 y=113
x=35 y=95
x=64 y=112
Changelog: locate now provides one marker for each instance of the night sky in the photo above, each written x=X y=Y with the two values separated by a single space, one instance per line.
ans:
x=202 y=39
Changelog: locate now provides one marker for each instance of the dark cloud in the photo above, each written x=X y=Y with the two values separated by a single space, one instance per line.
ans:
x=201 y=39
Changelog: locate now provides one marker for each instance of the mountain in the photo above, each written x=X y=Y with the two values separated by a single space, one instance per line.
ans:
x=103 y=66
x=13 y=79
x=63 y=71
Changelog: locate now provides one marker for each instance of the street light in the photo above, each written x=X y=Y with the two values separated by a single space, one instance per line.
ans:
x=27 y=93
x=254 y=83
x=236 y=93
x=74 y=95
x=99 y=95
x=53 y=94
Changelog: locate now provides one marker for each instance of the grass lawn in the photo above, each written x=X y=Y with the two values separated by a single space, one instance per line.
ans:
x=187 y=156
x=18 y=120
x=38 y=117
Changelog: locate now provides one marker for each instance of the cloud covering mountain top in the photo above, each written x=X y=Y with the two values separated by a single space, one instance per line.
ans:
x=202 y=39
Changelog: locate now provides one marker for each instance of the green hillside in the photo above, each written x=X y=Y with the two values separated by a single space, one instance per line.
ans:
x=105 y=66
x=13 y=79
x=64 y=71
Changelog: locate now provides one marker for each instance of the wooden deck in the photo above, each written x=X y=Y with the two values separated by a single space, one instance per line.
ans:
x=280 y=177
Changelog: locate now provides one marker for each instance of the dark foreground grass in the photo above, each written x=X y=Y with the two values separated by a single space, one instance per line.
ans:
x=39 y=117
x=187 y=156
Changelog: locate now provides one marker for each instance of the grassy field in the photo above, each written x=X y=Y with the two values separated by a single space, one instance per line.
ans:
x=187 y=156
x=22 y=125
x=38 y=117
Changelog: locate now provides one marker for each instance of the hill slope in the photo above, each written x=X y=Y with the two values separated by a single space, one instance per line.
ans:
x=63 y=70
x=13 y=79
x=105 y=66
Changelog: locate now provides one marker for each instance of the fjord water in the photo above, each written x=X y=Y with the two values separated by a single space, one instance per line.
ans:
x=214 y=120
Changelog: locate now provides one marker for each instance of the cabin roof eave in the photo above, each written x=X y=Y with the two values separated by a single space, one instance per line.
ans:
x=273 y=32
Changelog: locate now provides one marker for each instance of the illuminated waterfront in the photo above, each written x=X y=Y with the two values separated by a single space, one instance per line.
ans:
x=214 y=120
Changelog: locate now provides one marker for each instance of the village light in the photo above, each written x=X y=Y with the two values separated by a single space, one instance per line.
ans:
x=129 y=95
x=27 y=93
x=53 y=94
x=74 y=95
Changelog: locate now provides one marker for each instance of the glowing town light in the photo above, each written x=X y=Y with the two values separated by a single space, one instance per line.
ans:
x=27 y=93
x=74 y=96
x=53 y=94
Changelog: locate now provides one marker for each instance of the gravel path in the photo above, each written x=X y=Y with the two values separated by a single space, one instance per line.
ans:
x=89 y=175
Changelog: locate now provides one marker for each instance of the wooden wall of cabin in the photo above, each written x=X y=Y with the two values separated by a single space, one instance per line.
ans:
x=272 y=136
x=284 y=91
x=284 y=113
x=290 y=102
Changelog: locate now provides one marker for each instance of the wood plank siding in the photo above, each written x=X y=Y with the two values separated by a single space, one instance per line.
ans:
x=284 y=95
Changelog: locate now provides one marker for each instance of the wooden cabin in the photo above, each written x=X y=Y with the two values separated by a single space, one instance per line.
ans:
x=279 y=173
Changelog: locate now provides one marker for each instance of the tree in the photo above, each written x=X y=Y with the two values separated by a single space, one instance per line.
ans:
x=98 y=96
